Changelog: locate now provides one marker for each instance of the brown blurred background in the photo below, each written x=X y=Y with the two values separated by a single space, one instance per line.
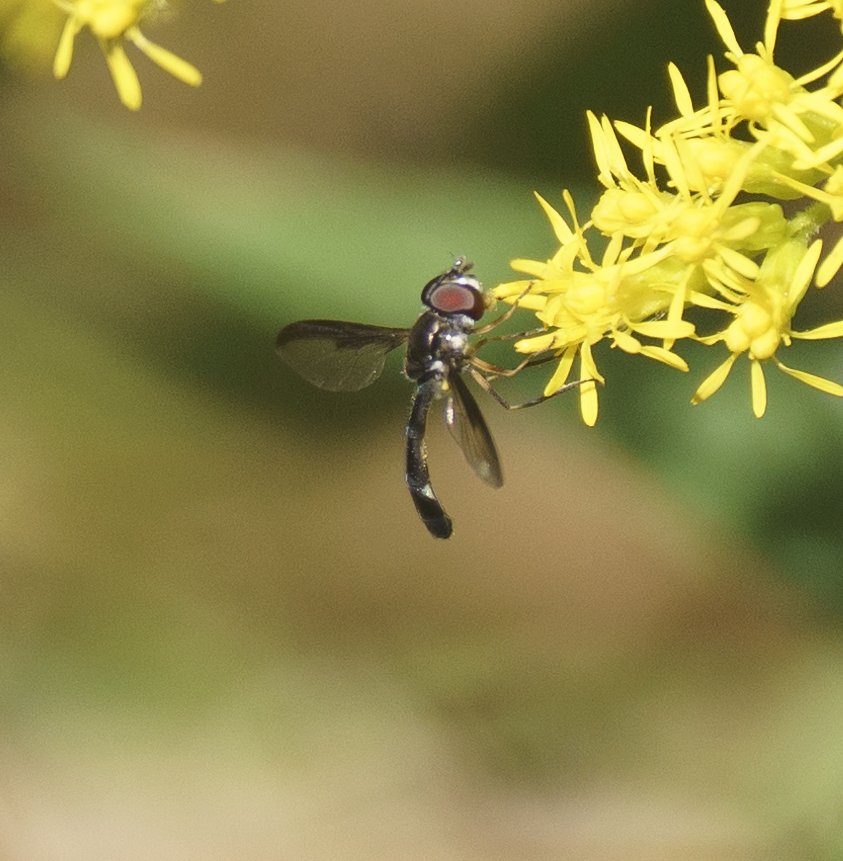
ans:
x=223 y=631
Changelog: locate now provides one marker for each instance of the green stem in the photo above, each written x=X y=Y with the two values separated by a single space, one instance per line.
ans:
x=808 y=222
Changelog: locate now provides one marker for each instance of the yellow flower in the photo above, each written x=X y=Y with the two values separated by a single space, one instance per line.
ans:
x=762 y=310
x=777 y=108
x=795 y=10
x=616 y=299
x=681 y=238
x=113 y=22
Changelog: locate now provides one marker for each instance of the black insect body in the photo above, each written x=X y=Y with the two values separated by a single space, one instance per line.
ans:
x=340 y=356
x=438 y=352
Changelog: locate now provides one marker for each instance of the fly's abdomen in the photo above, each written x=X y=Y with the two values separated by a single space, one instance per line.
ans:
x=427 y=504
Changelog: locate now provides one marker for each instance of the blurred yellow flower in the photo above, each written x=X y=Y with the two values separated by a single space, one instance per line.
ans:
x=112 y=22
x=28 y=33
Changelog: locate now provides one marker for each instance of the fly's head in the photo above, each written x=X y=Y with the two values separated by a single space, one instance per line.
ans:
x=456 y=293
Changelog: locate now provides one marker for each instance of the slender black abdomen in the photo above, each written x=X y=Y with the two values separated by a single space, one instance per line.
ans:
x=418 y=478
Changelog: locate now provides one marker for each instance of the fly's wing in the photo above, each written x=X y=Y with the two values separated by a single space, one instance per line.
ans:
x=339 y=357
x=469 y=429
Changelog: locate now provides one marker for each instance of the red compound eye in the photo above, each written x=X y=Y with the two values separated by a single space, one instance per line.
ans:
x=452 y=299
x=449 y=296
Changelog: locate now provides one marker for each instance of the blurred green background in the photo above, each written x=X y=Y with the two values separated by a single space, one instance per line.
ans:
x=224 y=632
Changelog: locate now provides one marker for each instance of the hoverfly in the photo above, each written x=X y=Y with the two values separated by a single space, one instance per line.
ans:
x=347 y=357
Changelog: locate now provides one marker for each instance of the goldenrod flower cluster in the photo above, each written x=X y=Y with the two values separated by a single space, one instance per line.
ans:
x=703 y=227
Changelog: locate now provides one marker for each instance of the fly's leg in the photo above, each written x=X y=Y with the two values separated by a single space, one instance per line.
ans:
x=505 y=316
x=487 y=386
x=510 y=336
x=417 y=474
x=499 y=371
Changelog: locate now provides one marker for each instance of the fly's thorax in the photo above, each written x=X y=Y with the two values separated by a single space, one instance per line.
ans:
x=453 y=341
x=420 y=344
x=437 y=345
